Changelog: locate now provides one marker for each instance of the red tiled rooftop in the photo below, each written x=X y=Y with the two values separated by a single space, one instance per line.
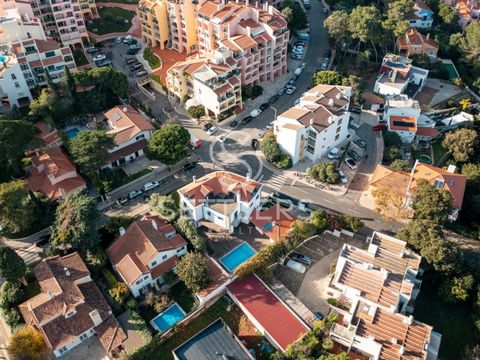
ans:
x=283 y=221
x=273 y=315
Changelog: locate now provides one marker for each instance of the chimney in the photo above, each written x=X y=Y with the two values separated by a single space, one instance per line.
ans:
x=95 y=316
x=331 y=102
x=50 y=295
x=270 y=9
x=67 y=272
x=247 y=2
x=451 y=169
x=401 y=350
x=338 y=96
x=154 y=224
x=125 y=109
x=121 y=230
x=256 y=4
x=428 y=36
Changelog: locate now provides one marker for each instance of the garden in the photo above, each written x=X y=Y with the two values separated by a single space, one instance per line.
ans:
x=111 y=19
x=109 y=180
x=151 y=58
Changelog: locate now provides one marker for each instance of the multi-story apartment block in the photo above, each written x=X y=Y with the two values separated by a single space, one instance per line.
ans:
x=211 y=82
x=64 y=20
x=155 y=23
x=316 y=124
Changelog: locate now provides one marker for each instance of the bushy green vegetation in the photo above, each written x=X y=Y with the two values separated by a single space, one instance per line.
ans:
x=111 y=19
x=272 y=152
x=109 y=180
x=295 y=15
x=325 y=172
x=169 y=144
x=151 y=58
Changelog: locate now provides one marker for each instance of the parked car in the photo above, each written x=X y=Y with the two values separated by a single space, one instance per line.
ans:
x=350 y=163
x=247 y=120
x=291 y=82
x=299 y=43
x=261 y=133
x=264 y=106
x=304 y=259
x=122 y=201
x=222 y=138
x=234 y=124
x=137 y=66
x=303 y=37
x=141 y=73
x=319 y=315
x=104 y=62
x=254 y=143
x=134 y=194
x=353 y=154
x=212 y=130
x=379 y=127
x=324 y=66
x=281 y=91
x=356 y=109
x=343 y=177
x=360 y=143
x=99 y=57
x=273 y=99
x=270 y=125
x=190 y=166
x=297 y=50
x=194 y=142
x=296 y=56
x=291 y=90
x=206 y=126
x=303 y=66
x=255 y=112
x=127 y=39
x=150 y=185
x=131 y=61
x=334 y=153
x=119 y=39
x=296 y=266
x=133 y=49
x=92 y=50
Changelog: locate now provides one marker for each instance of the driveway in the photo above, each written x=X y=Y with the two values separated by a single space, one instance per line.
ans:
x=89 y=349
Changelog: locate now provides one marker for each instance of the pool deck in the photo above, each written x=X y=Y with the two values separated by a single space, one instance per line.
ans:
x=152 y=323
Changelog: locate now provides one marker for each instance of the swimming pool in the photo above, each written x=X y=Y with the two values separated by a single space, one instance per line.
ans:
x=236 y=256
x=3 y=59
x=166 y=319
x=71 y=133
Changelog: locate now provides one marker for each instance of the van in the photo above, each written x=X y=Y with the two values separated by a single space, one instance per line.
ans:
x=304 y=37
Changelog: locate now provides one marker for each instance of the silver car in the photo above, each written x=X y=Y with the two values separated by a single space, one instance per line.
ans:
x=296 y=266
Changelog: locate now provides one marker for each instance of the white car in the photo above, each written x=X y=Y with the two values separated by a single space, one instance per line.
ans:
x=296 y=266
x=99 y=57
x=333 y=154
x=343 y=177
x=298 y=51
x=127 y=39
x=212 y=130
x=296 y=102
x=270 y=125
x=255 y=112
x=350 y=163
x=291 y=90
x=222 y=138
x=119 y=39
x=150 y=185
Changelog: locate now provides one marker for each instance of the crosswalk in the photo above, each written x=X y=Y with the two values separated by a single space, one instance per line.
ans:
x=30 y=254
x=276 y=181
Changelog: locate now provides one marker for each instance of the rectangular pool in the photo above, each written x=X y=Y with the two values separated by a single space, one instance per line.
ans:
x=166 y=319
x=71 y=133
x=236 y=256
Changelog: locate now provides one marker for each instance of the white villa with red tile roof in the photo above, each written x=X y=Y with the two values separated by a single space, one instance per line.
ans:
x=373 y=290
x=145 y=251
x=70 y=308
x=415 y=43
x=318 y=123
x=220 y=200
x=132 y=132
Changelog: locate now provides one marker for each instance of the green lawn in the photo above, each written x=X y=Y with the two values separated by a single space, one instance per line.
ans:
x=111 y=279
x=183 y=296
x=151 y=58
x=80 y=58
x=111 y=20
x=438 y=152
x=112 y=179
x=453 y=321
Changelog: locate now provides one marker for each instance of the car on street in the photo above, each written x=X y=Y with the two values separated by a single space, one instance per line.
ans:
x=206 y=126
x=254 y=143
x=343 y=177
x=350 y=163
x=194 y=142
x=212 y=130
x=334 y=153
x=92 y=50
x=318 y=315
x=141 y=73
x=281 y=91
x=270 y=125
x=379 y=127
x=121 y=201
x=273 y=99
x=299 y=43
x=246 y=120
x=190 y=166
x=304 y=259
x=291 y=90
x=150 y=185
x=360 y=143
x=264 y=106
x=303 y=66
x=295 y=56
x=356 y=109
x=295 y=266
x=303 y=37
x=234 y=124
x=261 y=133
x=134 y=194
x=324 y=66
x=353 y=154
x=222 y=138
x=255 y=112
x=99 y=57
x=291 y=82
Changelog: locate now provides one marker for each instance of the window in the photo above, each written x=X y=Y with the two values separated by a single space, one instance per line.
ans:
x=14 y=77
x=29 y=49
x=83 y=337
x=337 y=137
x=62 y=350
x=49 y=54
x=180 y=249
x=154 y=263
x=438 y=184
x=338 y=129
x=17 y=85
x=164 y=257
x=141 y=136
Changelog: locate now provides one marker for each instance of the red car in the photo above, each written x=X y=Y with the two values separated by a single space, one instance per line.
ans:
x=379 y=127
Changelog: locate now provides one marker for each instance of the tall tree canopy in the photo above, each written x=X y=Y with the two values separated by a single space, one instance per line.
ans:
x=75 y=223
x=192 y=270
x=28 y=343
x=90 y=150
x=461 y=143
x=470 y=43
x=169 y=144
x=12 y=266
x=431 y=203
x=337 y=25
x=164 y=206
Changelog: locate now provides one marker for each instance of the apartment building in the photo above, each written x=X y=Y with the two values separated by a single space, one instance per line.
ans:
x=64 y=20
x=415 y=43
x=372 y=291
x=316 y=124
x=212 y=82
x=14 y=90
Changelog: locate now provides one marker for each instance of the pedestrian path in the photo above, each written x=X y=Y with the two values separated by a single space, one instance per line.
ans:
x=276 y=181
x=30 y=254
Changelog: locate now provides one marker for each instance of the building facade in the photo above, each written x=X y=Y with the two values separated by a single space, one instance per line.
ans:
x=415 y=43
x=421 y=16
x=401 y=115
x=318 y=123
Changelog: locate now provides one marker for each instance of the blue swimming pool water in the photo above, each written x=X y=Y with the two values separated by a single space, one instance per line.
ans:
x=3 y=59
x=71 y=133
x=165 y=320
x=234 y=258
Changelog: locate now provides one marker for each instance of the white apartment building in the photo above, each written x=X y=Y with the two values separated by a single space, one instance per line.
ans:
x=421 y=16
x=14 y=90
x=316 y=124
x=220 y=200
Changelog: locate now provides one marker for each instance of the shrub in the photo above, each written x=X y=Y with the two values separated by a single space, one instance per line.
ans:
x=257 y=90
x=96 y=258
x=319 y=219
x=170 y=277
x=325 y=172
x=11 y=294
x=283 y=162
x=185 y=227
x=262 y=259
x=352 y=223
x=28 y=343
x=391 y=154
x=272 y=152
x=150 y=298
x=119 y=293
x=12 y=318
x=391 y=138
x=401 y=165
x=150 y=57
x=163 y=301
x=192 y=270
x=131 y=304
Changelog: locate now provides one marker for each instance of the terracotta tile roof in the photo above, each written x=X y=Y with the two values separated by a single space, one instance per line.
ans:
x=217 y=277
x=427 y=131
x=384 y=176
x=277 y=215
x=403 y=123
x=132 y=252
x=17 y=48
x=245 y=42
x=34 y=64
x=110 y=334
x=419 y=4
x=66 y=51
x=164 y=267
x=208 y=9
x=48 y=133
x=49 y=168
x=249 y=23
x=413 y=37
x=52 y=60
x=128 y=150
x=261 y=304
x=126 y=122
x=66 y=287
x=219 y=183
x=46 y=45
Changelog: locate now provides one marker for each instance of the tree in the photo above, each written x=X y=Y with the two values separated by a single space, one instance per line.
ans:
x=391 y=153
x=15 y=137
x=431 y=203
x=390 y=203
x=119 y=292
x=164 y=206
x=396 y=21
x=169 y=144
x=470 y=43
x=457 y=288
x=272 y=152
x=97 y=258
x=28 y=343
x=11 y=294
x=161 y=303
x=299 y=231
x=337 y=25
x=192 y=270
x=319 y=219
x=185 y=227
x=114 y=223
x=12 y=266
x=461 y=143
x=365 y=25
x=327 y=77
x=287 y=13
x=391 y=138
x=70 y=81
x=472 y=172
x=352 y=223
x=196 y=111
x=401 y=165
x=298 y=18
x=76 y=223
x=447 y=14
x=326 y=172
x=91 y=150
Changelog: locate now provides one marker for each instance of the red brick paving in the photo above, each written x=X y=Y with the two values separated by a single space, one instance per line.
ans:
x=168 y=58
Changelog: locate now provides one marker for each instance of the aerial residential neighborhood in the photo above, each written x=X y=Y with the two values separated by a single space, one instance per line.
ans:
x=239 y=179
